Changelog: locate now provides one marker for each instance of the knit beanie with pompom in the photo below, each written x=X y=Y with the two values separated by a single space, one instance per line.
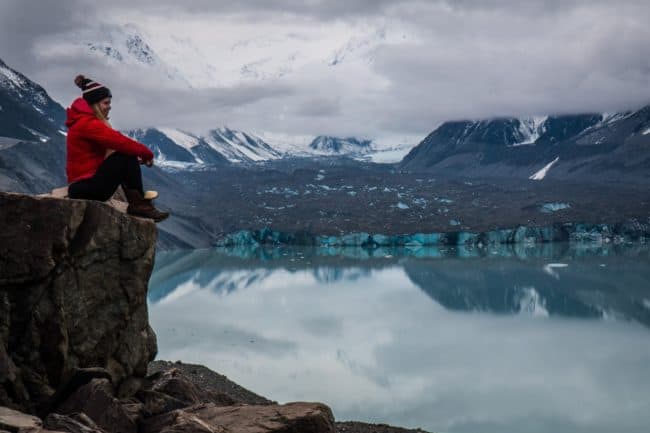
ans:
x=92 y=91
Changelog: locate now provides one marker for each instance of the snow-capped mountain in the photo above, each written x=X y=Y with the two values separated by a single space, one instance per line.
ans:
x=359 y=47
x=32 y=144
x=233 y=58
x=240 y=146
x=127 y=45
x=179 y=149
x=327 y=145
x=26 y=110
x=594 y=145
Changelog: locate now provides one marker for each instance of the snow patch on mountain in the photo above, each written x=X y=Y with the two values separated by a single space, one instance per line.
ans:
x=23 y=88
x=326 y=145
x=614 y=117
x=183 y=139
x=238 y=145
x=41 y=137
x=541 y=174
x=389 y=156
x=646 y=132
x=531 y=128
x=8 y=77
x=288 y=144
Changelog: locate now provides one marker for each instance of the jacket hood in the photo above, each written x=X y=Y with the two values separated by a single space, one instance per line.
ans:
x=78 y=110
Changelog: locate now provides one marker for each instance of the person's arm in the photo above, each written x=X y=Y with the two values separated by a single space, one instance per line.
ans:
x=110 y=139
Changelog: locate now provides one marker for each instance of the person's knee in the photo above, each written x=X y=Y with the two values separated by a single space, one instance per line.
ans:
x=120 y=157
x=105 y=194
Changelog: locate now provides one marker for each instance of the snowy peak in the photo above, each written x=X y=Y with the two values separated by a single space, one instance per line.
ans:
x=26 y=110
x=177 y=149
x=358 y=47
x=163 y=145
x=127 y=45
x=339 y=146
x=240 y=146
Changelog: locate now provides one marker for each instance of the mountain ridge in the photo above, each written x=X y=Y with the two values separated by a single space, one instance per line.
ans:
x=590 y=145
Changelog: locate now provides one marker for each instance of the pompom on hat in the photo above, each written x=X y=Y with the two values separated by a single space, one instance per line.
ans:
x=91 y=90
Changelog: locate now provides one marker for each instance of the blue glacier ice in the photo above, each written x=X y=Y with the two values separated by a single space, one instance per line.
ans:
x=629 y=231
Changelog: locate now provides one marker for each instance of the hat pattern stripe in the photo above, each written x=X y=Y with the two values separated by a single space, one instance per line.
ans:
x=90 y=89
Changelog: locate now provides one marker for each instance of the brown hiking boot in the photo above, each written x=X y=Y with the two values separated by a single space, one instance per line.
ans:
x=139 y=206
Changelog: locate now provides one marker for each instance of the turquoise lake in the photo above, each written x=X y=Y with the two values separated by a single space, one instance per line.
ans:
x=516 y=339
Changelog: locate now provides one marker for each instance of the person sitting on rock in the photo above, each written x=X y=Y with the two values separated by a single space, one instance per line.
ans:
x=99 y=158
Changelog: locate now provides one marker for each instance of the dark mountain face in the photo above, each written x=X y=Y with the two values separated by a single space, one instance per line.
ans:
x=560 y=128
x=592 y=147
x=161 y=145
x=340 y=145
x=32 y=144
x=26 y=110
x=530 y=286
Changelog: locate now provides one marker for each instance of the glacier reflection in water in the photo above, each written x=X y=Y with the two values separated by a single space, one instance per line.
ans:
x=510 y=340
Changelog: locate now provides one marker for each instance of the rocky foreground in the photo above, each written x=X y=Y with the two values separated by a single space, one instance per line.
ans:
x=75 y=340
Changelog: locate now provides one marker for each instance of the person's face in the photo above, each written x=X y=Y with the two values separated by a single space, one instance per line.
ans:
x=105 y=106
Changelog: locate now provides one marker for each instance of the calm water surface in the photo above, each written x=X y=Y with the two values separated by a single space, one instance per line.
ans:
x=553 y=339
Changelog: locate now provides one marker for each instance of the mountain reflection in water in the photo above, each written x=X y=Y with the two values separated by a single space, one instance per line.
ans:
x=590 y=282
x=445 y=339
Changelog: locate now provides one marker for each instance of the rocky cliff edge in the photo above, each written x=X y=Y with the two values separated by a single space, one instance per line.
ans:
x=73 y=295
x=75 y=340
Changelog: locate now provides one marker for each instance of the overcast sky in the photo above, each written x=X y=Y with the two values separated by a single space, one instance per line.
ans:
x=388 y=70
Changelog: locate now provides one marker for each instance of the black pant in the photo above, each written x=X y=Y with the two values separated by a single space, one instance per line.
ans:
x=118 y=169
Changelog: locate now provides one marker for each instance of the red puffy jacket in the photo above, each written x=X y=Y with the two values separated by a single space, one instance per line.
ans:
x=89 y=138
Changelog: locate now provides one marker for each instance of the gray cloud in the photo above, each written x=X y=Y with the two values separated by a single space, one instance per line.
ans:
x=458 y=59
x=23 y=22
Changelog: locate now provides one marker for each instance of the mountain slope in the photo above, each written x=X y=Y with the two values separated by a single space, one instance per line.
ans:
x=180 y=149
x=587 y=146
x=26 y=110
x=338 y=146
x=32 y=145
x=128 y=45
x=240 y=146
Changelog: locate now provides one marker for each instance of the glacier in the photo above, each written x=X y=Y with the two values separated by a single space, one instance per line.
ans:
x=578 y=233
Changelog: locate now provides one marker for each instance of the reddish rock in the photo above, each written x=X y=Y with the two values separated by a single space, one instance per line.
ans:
x=287 y=418
x=13 y=420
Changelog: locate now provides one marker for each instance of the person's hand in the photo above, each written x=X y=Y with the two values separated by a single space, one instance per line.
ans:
x=147 y=162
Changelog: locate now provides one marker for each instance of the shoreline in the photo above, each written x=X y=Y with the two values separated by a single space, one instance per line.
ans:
x=205 y=378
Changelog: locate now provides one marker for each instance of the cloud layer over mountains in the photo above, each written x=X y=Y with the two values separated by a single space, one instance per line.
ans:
x=378 y=69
